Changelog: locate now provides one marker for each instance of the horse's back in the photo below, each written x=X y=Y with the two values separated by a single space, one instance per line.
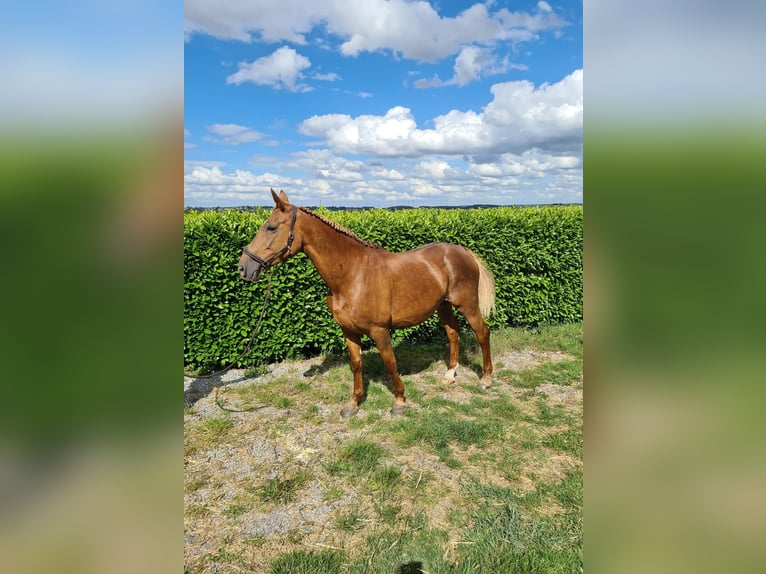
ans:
x=422 y=278
x=450 y=257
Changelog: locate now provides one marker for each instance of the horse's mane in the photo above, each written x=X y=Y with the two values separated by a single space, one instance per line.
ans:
x=339 y=228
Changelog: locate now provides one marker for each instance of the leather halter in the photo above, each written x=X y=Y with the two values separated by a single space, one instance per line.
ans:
x=267 y=262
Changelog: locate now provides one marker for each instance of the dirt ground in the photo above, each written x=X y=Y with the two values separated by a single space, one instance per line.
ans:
x=230 y=526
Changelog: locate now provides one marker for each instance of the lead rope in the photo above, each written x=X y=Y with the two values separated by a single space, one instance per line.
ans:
x=242 y=354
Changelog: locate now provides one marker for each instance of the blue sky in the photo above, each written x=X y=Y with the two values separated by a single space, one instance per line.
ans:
x=381 y=103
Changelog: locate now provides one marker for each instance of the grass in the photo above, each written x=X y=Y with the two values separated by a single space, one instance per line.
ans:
x=256 y=371
x=215 y=429
x=207 y=434
x=349 y=521
x=568 y=441
x=386 y=478
x=280 y=393
x=302 y=562
x=440 y=430
x=283 y=490
x=466 y=481
x=560 y=373
x=505 y=537
x=358 y=457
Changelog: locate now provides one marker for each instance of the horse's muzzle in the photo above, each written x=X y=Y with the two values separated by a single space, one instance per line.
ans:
x=250 y=270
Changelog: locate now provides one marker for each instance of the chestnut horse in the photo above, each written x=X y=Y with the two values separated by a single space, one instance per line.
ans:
x=373 y=290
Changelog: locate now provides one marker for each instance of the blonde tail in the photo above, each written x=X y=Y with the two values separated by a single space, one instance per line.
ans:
x=486 y=288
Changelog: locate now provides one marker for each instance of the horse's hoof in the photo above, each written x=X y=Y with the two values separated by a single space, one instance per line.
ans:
x=399 y=410
x=347 y=412
x=486 y=386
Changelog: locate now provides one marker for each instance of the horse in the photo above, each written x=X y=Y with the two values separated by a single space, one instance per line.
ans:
x=373 y=291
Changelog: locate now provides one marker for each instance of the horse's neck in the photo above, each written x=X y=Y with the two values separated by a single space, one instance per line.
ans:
x=333 y=253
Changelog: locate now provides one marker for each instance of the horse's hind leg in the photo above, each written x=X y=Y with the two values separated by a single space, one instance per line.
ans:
x=473 y=315
x=382 y=339
x=451 y=326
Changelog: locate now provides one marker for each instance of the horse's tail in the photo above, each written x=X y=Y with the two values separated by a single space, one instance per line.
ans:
x=486 y=288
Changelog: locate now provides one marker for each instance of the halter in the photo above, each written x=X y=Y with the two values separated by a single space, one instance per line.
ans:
x=266 y=263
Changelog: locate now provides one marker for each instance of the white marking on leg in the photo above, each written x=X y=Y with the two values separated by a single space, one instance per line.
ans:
x=450 y=375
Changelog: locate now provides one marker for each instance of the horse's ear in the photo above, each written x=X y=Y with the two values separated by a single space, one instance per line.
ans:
x=280 y=200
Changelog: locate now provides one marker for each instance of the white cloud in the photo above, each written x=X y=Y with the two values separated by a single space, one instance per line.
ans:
x=271 y=20
x=211 y=185
x=379 y=172
x=378 y=135
x=544 y=19
x=329 y=77
x=320 y=177
x=472 y=63
x=532 y=163
x=282 y=69
x=323 y=161
x=519 y=117
x=326 y=165
x=232 y=134
x=438 y=170
x=413 y=30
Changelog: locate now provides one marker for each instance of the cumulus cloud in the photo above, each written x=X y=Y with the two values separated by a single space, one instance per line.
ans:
x=438 y=170
x=326 y=165
x=472 y=63
x=211 y=185
x=520 y=116
x=377 y=135
x=544 y=19
x=232 y=134
x=413 y=30
x=321 y=177
x=281 y=70
x=532 y=163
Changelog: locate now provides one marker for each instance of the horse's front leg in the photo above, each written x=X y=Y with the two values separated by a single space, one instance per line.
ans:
x=382 y=339
x=354 y=343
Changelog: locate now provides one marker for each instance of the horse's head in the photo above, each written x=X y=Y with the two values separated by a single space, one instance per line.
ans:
x=274 y=241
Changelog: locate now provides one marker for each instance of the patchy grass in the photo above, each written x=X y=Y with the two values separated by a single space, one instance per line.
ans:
x=439 y=430
x=349 y=521
x=560 y=373
x=504 y=537
x=466 y=481
x=568 y=440
x=358 y=457
x=301 y=561
x=215 y=429
x=283 y=490
x=386 y=478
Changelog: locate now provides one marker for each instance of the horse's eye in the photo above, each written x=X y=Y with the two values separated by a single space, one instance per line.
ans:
x=271 y=228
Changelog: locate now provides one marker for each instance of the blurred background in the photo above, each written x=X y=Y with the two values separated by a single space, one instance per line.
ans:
x=91 y=275
x=675 y=286
x=91 y=205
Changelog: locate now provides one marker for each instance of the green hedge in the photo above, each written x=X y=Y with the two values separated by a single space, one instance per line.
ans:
x=535 y=254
